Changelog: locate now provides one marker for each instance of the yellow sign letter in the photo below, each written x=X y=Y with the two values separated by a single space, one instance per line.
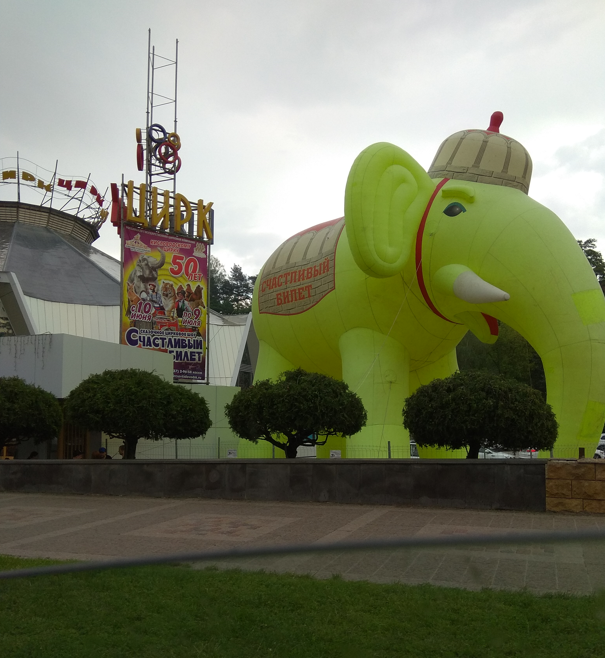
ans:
x=164 y=214
x=130 y=216
x=203 y=223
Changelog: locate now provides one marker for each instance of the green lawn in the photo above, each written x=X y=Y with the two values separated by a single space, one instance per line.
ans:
x=179 y=611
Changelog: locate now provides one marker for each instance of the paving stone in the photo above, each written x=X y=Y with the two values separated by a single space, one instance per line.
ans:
x=510 y=575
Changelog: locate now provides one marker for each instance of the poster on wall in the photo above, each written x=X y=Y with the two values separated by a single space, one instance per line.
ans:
x=164 y=298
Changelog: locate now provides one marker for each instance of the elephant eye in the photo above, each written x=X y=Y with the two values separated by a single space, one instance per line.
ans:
x=454 y=209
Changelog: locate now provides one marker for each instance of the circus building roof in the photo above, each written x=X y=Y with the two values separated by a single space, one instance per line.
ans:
x=62 y=283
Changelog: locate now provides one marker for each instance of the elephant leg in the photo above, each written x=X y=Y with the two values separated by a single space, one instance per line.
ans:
x=269 y=366
x=441 y=369
x=270 y=363
x=376 y=367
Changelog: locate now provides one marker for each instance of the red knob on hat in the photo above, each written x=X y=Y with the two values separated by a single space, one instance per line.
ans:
x=495 y=122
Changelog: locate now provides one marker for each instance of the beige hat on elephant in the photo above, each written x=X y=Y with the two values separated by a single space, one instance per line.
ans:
x=484 y=156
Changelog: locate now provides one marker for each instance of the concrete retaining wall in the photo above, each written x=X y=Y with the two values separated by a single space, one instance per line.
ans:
x=494 y=484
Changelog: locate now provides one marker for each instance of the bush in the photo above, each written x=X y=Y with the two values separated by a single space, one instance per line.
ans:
x=299 y=409
x=475 y=409
x=27 y=412
x=133 y=404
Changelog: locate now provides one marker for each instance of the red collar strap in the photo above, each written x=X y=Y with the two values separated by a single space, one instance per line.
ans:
x=419 y=237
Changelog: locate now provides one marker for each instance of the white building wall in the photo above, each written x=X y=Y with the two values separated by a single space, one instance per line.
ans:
x=58 y=363
x=224 y=342
x=98 y=322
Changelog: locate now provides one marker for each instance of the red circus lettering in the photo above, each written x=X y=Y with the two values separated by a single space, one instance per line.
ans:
x=296 y=276
x=296 y=295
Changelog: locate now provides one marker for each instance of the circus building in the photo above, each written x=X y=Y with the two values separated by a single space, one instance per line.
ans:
x=60 y=297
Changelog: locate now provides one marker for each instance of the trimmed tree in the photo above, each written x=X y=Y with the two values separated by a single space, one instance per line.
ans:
x=134 y=404
x=27 y=412
x=474 y=409
x=299 y=409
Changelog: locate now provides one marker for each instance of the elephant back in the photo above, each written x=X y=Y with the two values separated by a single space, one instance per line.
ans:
x=300 y=272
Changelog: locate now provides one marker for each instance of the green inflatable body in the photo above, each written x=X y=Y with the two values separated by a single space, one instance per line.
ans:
x=381 y=297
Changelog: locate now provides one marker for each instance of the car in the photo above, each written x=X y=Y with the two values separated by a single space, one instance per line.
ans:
x=488 y=453
x=530 y=453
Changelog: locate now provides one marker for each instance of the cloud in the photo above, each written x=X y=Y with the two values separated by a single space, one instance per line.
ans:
x=588 y=155
x=276 y=99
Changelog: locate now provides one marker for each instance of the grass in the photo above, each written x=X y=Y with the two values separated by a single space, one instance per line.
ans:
x=179 y=611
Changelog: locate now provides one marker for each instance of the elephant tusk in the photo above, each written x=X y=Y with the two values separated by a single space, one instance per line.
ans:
x=473 y=289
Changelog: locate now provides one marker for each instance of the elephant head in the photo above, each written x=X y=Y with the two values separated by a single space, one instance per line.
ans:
x=469 y=241
x=146 y=271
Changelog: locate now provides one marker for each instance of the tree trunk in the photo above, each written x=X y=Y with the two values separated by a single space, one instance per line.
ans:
x=131 y=448
x=473 y=449
x=291 y=450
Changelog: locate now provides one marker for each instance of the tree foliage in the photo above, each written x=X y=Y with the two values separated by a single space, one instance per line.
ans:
x=589 y=247
x=299 y=409
x=511 y=356
x=232 y=294
x=475 y=409
x=27 y=412
x=133 y=404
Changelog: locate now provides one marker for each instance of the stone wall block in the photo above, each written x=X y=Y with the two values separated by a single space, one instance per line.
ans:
x=599 y=469
x=594 y=506
x=564 y=505
x=590 y=489
x=570 y=470
x=558 y=488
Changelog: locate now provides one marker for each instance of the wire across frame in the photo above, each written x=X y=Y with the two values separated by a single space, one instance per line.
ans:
x=450 y=541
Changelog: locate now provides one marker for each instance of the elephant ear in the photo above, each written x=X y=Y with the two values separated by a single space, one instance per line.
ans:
x=386 y=195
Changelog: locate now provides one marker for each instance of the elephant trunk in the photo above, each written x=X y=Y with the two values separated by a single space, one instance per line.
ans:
x=575 y=392
x=156 y=263
x=557 y=304
x=574 y=367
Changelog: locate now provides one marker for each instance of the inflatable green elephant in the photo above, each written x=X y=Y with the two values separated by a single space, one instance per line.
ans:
x=381 y=297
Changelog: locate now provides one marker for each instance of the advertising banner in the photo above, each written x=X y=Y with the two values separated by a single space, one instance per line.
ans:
x=164 y=298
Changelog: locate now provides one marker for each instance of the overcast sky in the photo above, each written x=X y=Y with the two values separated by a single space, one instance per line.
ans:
x=278 y=97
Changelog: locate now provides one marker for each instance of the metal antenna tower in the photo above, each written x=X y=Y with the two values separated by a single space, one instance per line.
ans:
x=155 y=171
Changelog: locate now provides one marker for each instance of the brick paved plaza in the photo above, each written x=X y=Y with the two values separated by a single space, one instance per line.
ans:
x=103 y=527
